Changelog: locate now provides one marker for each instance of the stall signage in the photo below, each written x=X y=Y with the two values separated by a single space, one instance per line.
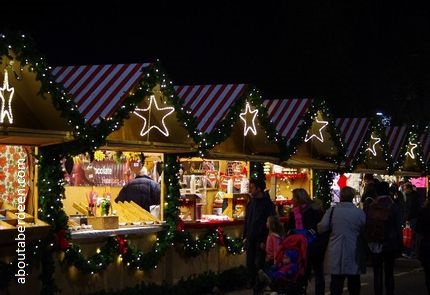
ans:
x=106 y=172
x=103 y=170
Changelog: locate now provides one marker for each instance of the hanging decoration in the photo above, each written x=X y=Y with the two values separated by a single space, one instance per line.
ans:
x=145 y=114
x=320 y=137
x=410 y=151
x=246 y=116
x=6 y=95
x=376 y=141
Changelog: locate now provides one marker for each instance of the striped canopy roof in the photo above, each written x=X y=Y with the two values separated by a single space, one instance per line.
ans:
x=98 y=90
x=396 y=136
x=353 y=132
x=287 y=115
x=209 y=104
x=425 y=144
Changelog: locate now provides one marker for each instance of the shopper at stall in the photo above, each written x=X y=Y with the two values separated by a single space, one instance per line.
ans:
x=255 y=232
x=142 y=190
x=384 y=236
x=412 y=206
x=423 y=240
x=368 y=190
x=342 y=258
x=305 y=215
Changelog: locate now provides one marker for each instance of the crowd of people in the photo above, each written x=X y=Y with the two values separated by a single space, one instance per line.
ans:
x=358 y=236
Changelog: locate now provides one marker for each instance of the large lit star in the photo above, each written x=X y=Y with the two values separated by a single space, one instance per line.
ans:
x=145 y=114
x=410 y=151
x=320 y=137
x=245 y=116
x=6 y=101
x=373 y=149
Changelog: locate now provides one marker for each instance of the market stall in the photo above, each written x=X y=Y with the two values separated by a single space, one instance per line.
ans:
x=149 y=130
x=311 y=143
x=32 y=118
x=235 y=130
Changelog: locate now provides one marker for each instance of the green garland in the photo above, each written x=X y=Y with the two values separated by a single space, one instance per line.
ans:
x=322 y=183
x=412 y=138
x=205 y=283
x=378 y=129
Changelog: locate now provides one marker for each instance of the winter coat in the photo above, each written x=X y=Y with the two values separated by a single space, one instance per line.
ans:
x=257 y=211
x=311 y=215
x=423 y=235
x=392 y=226
x=342 y=255
x=142 y=190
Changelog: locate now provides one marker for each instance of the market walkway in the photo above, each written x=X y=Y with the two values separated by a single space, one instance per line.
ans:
x=408 y=276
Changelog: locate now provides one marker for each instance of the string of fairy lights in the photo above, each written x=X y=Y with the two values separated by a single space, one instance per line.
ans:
x=248 y=108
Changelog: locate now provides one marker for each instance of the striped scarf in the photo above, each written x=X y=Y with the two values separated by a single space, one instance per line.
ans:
x=298 y=216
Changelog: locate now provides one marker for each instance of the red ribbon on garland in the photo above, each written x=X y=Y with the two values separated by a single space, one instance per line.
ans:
x=122 y=244
x=180 y=225
x=220 y=232
x=61 y=242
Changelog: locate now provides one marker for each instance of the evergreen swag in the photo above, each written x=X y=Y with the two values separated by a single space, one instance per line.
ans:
x=322 y=182
x=205 y=283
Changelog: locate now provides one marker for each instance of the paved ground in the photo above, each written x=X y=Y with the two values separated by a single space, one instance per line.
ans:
x=409 y=278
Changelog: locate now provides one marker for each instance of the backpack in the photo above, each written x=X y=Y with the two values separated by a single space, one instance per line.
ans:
x=377 y=215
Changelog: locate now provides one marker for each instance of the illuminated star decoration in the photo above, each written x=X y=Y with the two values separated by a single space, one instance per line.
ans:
x=244 y=116
x=373 y=149
x=320 y=137
x=410 y=151
x=6 y=102
x=145 y=114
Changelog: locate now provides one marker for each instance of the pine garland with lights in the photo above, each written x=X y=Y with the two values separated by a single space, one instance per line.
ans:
x=292 y=144
x=376 y=128
x=334 y=133
x=419 y=158
x=322 y=182
x=229 y=280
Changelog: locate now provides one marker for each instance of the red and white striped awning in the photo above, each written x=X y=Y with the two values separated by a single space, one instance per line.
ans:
x=209 y=103
x=396 y=136
x=352 y=132
x=98 y=90
x=287 y=115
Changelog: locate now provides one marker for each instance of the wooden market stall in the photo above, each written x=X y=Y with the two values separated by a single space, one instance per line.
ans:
x=373 y=154
x=152 y=129
x=311 y=143
x=30 y=120
x=234 y=131
x=235 y=128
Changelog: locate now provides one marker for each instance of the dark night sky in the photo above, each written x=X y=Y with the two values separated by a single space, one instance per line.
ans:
x=361 y=56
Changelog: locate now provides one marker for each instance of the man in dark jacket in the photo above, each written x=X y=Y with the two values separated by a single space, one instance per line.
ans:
x=412 y=207
x=383 y=253
x=142 y=190
x=255 y=231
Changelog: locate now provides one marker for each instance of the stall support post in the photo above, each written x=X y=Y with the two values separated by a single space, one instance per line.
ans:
x=34 y=188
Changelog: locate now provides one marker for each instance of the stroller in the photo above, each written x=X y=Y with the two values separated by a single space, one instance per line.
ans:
x=288 y=274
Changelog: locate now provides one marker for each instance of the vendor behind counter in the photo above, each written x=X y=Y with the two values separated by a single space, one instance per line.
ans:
x=142 y=190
